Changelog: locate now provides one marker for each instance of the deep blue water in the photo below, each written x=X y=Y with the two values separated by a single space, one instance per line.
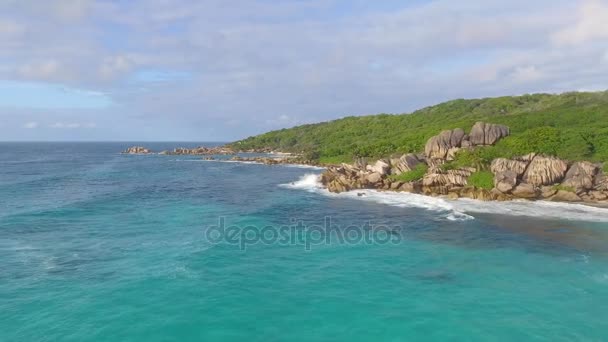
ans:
x=99 y=246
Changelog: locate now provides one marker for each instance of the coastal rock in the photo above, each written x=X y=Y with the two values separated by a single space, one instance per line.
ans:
x=601 y=181
x=565 y=196
x=503 y=164
x=477 y=194
x=487 y=134
x=580 y=176
x=598 y=195
x=524 y=190
x=438 y=146
x=547 y=191
x=137 y=150
x=450 y=178
x=200 y=150
x=374 y=178
x=499 y=196
x=396 y=185
x=381 y=167
x=342 y=178
x=505 y=181
x=545 y=171
x=414 y=187
x=405 y=163
x=360 y=163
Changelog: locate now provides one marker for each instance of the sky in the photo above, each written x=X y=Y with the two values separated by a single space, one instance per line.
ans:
x=221 y=70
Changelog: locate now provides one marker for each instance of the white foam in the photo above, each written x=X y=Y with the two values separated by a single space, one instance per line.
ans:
x=311 y=183
x=544 y=209
x=461 y=209
x=299 y=166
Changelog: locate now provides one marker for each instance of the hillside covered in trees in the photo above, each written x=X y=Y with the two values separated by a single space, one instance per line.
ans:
x=572 y=126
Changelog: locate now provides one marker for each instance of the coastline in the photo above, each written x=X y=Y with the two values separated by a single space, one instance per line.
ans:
x=534 y=177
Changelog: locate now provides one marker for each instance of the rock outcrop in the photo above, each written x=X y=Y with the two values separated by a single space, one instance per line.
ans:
x=505 y=181
x=449 y=178
x=405 y=163
x=580 y=176
x=381 y=167
x=502 y=164
x=137 y=150
x=545 y=171
x=487 y=134
x=532 y=176
x=439 y=146
x=201 y=150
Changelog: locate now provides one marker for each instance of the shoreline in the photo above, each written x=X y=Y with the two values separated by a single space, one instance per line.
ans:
x=436 y=183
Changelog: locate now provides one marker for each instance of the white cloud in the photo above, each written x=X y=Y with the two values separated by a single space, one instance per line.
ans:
x=72 y=125
x=592 y=24
x=115 y=66
x=526 y=74
x=10 y=28
x=296 y=57
x=31 y=125
x=39 y=70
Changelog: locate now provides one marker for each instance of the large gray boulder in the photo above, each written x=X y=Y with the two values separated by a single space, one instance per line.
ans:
x=437 y=147
x=374 y=178
x=565 y=196
x=525 y=190
x=487 y=134
x=503 y=164
x=545 y=171
x=505 y=181
x=405 y=163
x=381 y=167
x=450 y=178
x=580 y=176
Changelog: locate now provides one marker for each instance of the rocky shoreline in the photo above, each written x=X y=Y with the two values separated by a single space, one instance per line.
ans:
x=197 y=151
x=531 y=177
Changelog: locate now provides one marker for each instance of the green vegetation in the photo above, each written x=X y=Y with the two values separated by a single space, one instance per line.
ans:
x=564 y=188
x=416 y=174
x=605 y=167
x=572 y=126
x=482 y=180
x=479 y=158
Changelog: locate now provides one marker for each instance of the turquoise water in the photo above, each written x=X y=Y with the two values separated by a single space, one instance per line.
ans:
x=98 y=246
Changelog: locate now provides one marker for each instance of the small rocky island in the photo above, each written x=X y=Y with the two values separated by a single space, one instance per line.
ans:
x=137 y=150
x=533 y=176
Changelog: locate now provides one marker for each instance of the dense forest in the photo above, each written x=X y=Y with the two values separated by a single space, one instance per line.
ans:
x=573 y=126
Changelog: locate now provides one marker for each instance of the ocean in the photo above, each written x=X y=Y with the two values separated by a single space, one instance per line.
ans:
x=99 y=246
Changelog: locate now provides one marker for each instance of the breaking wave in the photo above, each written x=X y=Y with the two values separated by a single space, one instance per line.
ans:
x=461 y=209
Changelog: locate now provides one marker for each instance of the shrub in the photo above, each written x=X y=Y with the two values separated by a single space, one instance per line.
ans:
x=416 y=174
x=482 y=179
x=479 y=158
x=559 y=187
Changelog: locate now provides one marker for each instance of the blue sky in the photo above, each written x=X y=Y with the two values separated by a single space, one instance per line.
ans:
x=216 y=70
